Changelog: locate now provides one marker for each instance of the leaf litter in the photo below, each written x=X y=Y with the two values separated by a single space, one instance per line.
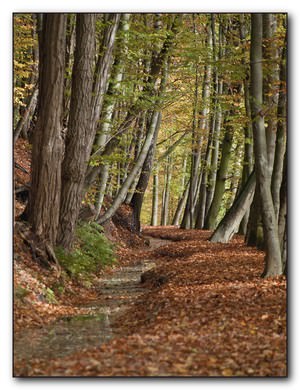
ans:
x=205 y=312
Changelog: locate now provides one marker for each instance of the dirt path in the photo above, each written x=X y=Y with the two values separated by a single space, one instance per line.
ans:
x=117 y=292
x=203 y=310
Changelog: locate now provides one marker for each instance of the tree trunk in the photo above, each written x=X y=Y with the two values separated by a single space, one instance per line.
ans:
x=24 y=120
x=281 y=136
x=47 y=151
x=270 y=84
x=103 y=68
x=69 y=60
x=138 y=165
x=211 y=219
x=166 y=194
x=248 y=140
x=79 y=133
x=273 y=264
x=180 y=206
x=114 y=85
x=230 y=223
x=282 y=217
x=154 y=213
x=218 y=120
x=138 y=197
x=215 y=150
x=103 y=179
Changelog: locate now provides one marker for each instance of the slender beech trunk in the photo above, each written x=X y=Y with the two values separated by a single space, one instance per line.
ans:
x=138 y=165
x=103 y=68
x=248 y=140
x=215 y=150
x=282 y=217
x=180 y=206
x=139 y=137
x=79 y=133
x=103 y=180
x=273 y=264
x=281 y=135
x=155 y=189
x=69 y=59
x=104 y=132
x=47 y=150
x=115 y=84
x=211 y=218
x=166 y=193
x=270 y=84
x=231 y=221
x=29 y=110
x=138 y=197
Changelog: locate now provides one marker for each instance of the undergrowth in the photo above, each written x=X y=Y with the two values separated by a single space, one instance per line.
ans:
x=91 y=252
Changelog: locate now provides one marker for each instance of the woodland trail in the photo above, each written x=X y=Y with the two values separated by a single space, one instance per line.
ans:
x=202 y=310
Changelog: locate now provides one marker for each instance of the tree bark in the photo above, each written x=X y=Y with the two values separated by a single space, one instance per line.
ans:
x=211 y=218
x=138 y=165
x=180 y=206
x=282 y=216
x=248 y=140
x=47 y=150
x=230 y=223
x=80 y=132
x=280 y=136
x=103 y=68
x=166 y=194
x=23 y=121
x=215 y=150
x=273 y=264
x=270 y=83
x=138 y=197
x=154 y=213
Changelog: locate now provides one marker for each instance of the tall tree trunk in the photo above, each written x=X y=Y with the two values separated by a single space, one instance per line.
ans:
x=230 y=223
x=254 y=232
x=166 y=193
x=138 y=165
x=215 y=150
x=180 y=206
x=24 y=120
x=282 y=217
x=248 y=140
x=138 y=197
x=270 y=95
x=201 y=207
x=114 y=85
x=79 y=134
x=211 y=218
x=273 y=264
x=154 y=213
x=103 y=180
x=218 y=121
x=69 y=59
x=103 y=68
x=47 y=151
x=281 y=135
x=139 y=136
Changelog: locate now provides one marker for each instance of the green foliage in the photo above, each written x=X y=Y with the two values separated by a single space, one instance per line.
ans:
x=49 y=295
x=24 y=63
x=20 y=292
x=91 y=252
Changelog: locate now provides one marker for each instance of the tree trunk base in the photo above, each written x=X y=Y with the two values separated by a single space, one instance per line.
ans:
x=42 y=251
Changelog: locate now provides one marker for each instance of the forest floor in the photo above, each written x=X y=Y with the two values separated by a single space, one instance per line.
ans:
x=201 y=310
x=205 y=311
